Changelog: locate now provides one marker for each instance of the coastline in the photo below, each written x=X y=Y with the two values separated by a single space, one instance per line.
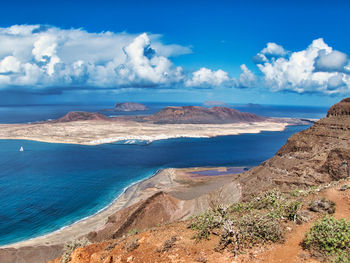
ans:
x=130 y=195
x=96 y=220
x=101 y=132
x=163 y=180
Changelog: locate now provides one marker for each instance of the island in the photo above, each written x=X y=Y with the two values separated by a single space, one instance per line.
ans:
x=172 y=122
x=129 y=106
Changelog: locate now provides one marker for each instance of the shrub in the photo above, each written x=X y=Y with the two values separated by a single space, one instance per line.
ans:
x=330 y=238
x=69 y=247
x=322 y=205
x=254 y=228
x=207 y=222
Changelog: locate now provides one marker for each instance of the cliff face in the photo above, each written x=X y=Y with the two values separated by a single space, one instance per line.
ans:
x=316 y=155
x=201 y=115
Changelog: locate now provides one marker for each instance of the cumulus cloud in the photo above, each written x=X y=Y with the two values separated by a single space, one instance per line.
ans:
x=318 y=68
x=271 y=51
x=208 y=78
x=332 y=61
x=45 y=56
x=247 y=78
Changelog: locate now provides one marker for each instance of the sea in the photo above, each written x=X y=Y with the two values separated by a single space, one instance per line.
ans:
x=49 y=186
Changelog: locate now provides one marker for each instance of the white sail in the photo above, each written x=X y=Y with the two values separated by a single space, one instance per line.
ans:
x=21 y=150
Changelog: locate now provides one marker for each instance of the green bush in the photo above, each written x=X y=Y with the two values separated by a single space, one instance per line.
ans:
x=207 y=222
x=245 y=224
x=330 y=237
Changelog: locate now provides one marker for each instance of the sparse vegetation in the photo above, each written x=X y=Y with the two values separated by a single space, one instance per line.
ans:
x=69 y=247
x=329 y=238
x=246 y=224
x=322 y=205
x=168 y=244
x=133 y=231
x=132 y=245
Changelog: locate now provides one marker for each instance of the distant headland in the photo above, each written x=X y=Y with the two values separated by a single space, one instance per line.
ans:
x=171 y=122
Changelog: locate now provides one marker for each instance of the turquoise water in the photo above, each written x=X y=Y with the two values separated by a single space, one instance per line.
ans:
x=49 y=186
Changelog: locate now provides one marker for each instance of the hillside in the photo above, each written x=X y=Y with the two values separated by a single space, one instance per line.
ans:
x=81 y=116
x=202 y=115
x=175 y=242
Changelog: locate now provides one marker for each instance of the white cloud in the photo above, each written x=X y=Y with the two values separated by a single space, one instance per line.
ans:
x=331 y=61
x=44 y=56
x=273 y=49
x=315 y=69
x=208 y=78
x=246 y=79
x=9 y=64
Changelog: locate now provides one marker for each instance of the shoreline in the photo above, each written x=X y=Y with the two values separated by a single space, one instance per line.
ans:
x=127 y=197
x=110 y=209
x=162 y=180
x=91 y=133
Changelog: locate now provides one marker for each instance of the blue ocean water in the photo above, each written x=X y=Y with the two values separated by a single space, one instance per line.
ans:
x=33 y=113
x=48 y=186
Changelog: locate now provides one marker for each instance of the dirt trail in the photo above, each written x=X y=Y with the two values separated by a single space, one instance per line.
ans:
x=291 y=251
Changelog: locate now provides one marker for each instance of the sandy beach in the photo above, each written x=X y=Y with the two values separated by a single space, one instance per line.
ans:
x=176 y=182
x=94 y=132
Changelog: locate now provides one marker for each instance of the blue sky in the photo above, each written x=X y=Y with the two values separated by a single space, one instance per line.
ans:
x=197 y=51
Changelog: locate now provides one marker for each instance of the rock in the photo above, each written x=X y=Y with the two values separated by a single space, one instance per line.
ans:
x=130 y=259
x=130 y=106
x=344 y=187
x=340 y=109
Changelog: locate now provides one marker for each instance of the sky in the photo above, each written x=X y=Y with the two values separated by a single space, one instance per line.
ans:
x=268 y=52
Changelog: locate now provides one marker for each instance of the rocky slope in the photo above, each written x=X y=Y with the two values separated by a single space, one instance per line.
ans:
x=202 y=115
x=129 y=106
x=316 y=155
x=174 y=242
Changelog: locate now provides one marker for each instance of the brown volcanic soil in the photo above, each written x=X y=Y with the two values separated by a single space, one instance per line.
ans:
x=201 y=115
x=174 y=243
x=81 y=116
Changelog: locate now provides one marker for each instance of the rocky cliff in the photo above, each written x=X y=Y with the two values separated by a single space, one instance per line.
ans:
x=316 y=155
x=202 y=115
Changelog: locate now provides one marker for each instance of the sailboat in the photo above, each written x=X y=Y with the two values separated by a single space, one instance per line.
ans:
x=21 y=149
